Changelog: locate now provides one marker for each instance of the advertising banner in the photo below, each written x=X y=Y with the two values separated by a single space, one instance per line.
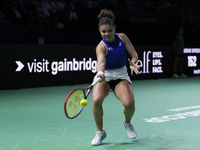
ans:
x=25 y=66
x=46 y=65
x=192 y=62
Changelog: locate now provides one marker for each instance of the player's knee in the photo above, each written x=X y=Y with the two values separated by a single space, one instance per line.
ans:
x=97 y=102
x=130 y=105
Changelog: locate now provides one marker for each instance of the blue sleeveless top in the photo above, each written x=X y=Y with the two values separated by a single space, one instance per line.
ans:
x=116 y=56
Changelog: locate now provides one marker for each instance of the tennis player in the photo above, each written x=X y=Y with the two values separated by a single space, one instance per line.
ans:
x=111 y=68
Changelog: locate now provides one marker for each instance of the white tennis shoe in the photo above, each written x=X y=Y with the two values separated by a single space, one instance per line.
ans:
x=130 y=130
x=99 y=137
x=183 y=76
x=175 y=76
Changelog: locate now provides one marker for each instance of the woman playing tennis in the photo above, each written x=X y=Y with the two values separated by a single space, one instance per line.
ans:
x=111 y=68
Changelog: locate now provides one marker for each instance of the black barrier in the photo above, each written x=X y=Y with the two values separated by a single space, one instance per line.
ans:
x=154 y=62
x=25 y=66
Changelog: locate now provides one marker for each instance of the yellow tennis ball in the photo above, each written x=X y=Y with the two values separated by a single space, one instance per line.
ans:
x=83 y=102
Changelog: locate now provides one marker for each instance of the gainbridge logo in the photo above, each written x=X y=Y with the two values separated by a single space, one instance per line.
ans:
x=55 y=67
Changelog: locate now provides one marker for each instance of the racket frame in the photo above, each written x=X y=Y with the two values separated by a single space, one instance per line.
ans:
x=85 y=96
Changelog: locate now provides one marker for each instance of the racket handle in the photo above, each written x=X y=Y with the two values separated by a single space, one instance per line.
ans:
x=96 y=81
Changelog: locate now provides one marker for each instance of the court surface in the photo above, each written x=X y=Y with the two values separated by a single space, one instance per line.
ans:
x=167 y=117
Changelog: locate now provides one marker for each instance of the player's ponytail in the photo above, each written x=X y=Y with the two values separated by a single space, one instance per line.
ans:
x=106 y=17
x=106 y=13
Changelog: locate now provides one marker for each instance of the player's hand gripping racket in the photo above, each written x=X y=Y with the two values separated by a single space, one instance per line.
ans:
x=72 y=105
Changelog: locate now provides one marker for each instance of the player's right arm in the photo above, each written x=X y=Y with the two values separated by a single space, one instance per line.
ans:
x=101 y=60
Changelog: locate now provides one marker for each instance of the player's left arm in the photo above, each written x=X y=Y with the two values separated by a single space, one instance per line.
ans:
x=131 y=50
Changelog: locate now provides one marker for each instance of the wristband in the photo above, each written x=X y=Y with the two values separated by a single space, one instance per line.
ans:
x=100 y=72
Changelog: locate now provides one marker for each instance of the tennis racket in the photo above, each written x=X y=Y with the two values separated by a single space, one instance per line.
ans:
x=72 y=105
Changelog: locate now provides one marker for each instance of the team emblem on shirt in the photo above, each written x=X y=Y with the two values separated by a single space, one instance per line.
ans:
x=110 y=48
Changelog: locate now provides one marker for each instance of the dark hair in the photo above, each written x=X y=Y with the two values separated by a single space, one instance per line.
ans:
x=106 y=17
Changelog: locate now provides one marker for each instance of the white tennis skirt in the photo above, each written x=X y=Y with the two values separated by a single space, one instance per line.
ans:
x=120 y=73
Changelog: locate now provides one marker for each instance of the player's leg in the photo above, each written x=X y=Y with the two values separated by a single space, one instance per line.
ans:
x=175 y=65
x=124 y=93
x=181 y=65
x=100 y=91
x=182 y=75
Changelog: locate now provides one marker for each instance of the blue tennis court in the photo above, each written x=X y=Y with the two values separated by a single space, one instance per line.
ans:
x=166 y=118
